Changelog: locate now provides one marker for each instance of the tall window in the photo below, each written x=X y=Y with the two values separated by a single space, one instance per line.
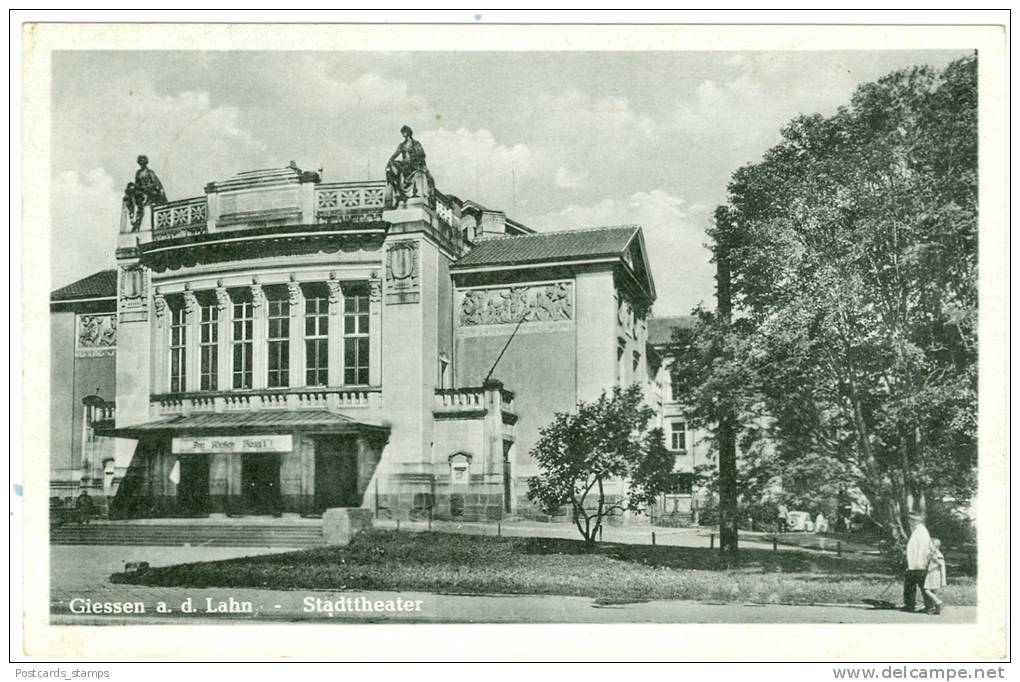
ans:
x=356 y=338
x=242 y=325
x=279 y=343
x=178 y=349
x=678 y=436
x=208 y=337
x=316 y=338
x=674 y=389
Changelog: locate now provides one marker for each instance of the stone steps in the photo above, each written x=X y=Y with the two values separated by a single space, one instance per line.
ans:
x=176 y=535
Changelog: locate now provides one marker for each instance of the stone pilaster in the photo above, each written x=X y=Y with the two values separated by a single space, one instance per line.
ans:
x=375 y=330
x=134 y=351
x=193 y=317
x=336 y=318
x=296 y=298
x=225 y=309
x=160 y=329
x=260 y=329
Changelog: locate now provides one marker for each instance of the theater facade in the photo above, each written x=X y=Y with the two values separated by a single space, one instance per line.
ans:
x=283 y=345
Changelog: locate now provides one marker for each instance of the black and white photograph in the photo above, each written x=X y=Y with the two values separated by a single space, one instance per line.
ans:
x=341 y=327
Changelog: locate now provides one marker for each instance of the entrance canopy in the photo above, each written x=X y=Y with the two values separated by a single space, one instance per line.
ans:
x=264 y=421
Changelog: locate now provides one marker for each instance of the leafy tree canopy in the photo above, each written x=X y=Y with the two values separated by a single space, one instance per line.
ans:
x=603 y=442
x=852 y=248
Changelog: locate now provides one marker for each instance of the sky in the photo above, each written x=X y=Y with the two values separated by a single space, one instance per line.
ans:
x=559 y=140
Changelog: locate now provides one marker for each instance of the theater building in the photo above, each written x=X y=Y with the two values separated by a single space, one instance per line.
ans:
x=283 y=345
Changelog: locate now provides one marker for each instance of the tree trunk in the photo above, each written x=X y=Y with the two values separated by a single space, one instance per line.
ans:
x=726 y=424
x=728 y=510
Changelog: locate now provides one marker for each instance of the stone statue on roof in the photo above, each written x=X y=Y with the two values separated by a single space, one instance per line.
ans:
x=133 y=200
x=406 y=173
x=147 y=182
x=146 y=190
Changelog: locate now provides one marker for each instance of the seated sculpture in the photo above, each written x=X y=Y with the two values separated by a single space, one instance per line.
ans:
x=146 y=190
x=406 y=173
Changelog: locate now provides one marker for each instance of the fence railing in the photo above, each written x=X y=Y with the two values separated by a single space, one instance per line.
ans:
x=350 y=201
x=179 y=218
x=268 y=399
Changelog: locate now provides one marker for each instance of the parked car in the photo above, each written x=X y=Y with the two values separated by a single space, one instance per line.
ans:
x=800 y=522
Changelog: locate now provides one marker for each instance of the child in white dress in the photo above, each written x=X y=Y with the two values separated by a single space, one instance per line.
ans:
x=935 y=580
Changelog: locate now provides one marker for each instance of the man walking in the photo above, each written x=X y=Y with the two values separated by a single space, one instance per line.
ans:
x=782 y=518
x=918 y=554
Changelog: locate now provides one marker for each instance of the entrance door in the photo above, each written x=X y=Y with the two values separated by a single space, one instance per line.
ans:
x=336 y=473
x=260 y=483
x=193 y=488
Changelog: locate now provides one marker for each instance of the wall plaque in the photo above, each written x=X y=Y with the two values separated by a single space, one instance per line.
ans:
x=267 y=443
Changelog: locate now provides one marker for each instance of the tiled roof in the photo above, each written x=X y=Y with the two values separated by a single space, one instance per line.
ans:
x=263 y=421
x=102 y=284
x=660 y=329
x=550 y=246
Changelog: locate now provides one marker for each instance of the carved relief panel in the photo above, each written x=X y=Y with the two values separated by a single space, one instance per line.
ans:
x=96 y=335
x=402 y=272
x=132 y=293
x=510 y=305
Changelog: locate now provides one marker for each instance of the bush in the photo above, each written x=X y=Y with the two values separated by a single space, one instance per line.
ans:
x=708 y=515
x=950 y=525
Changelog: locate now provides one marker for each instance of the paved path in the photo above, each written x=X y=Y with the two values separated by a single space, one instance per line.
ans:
x=631 y=535
x=80 y=573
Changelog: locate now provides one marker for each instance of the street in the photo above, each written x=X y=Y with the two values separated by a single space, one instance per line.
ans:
x=80 y=583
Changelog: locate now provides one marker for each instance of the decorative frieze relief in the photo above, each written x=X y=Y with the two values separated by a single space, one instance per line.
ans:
x=222 y=297
x=159 y=306
x=335 y=293
x=258 y=296
x=293 y=293
x=96 y=335
x=374 y=288
x=190 y=303
x=510 y=305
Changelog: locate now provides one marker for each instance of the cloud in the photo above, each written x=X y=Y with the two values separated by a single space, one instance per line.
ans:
x=472 y=163
x=86 y=214
x=317 y=89
x=567 y=179
x=189 y=140
x=674 y=234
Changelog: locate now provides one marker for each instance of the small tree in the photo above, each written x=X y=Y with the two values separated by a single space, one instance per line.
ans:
x=604 y=440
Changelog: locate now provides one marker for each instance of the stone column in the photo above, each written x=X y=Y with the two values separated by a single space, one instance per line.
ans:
x=297 y=334
x=224 y=358
x=219 y=481
x=336 y=342
x=193 y=316
x=260 y=330
x=306 y=453
x=291 y=480
x=375 y=330
x=234 y=482
x=368 y=460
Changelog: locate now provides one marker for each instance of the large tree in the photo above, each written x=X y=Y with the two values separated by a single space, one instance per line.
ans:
x=852 y=248
x=602 y=443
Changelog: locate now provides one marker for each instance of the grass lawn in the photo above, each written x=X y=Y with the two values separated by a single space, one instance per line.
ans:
x=474 y=564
